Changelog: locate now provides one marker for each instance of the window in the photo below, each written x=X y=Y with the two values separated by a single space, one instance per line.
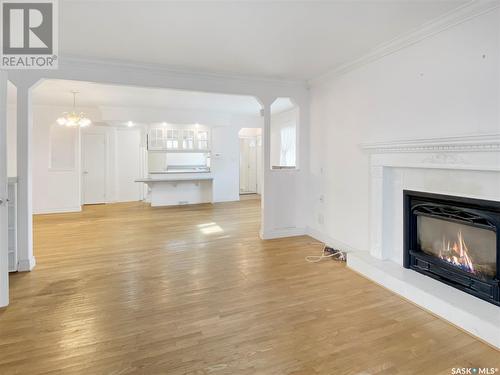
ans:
x=188 y=139
x=172 y=139
x=284 y=130
x=203 y=140
x=287 y=151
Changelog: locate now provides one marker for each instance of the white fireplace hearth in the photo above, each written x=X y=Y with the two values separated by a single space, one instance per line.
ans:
x=467 y=166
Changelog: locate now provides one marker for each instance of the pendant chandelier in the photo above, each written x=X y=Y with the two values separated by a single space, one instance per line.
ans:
x=71 y=119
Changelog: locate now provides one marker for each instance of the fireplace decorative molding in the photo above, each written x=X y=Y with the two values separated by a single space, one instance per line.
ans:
x=465 y=166
x=470 y=143
x=445 y=159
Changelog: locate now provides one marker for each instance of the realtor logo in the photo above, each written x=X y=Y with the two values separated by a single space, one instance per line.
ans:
x=29 y=34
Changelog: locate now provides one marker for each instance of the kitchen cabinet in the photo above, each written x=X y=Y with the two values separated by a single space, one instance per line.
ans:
x=181 y=139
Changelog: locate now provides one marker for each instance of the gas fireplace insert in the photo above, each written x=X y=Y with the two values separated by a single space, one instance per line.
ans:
x=454 y=240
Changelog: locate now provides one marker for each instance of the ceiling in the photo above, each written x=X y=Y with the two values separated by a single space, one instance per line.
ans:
x=295 y=40
x=58 y=92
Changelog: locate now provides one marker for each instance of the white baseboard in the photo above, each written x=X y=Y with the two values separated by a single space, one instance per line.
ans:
x=283 y=232
x=314 y=233
x=61 y=210
x=26 y=265
x=330 y=241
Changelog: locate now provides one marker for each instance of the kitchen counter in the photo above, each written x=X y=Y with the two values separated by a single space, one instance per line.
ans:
x=177 y=177
x=187 y=170
x=171 y=189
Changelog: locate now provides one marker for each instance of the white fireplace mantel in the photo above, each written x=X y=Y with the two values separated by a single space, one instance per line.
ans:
x=469 y=143
x=466 y=153
x=475 y=152
x=461 y=166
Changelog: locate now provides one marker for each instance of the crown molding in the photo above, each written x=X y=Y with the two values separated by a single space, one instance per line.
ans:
x=472 y=143
x=68 y=60
x=457 y=16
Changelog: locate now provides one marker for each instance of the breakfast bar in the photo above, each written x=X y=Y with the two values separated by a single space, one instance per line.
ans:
x=172 y=189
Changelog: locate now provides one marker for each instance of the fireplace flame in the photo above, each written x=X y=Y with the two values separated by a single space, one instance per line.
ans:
x=457 y=253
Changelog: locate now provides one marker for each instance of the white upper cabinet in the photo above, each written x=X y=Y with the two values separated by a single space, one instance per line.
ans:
x=188 y=139
x=156 y=139
x=164 y=139
x=172 y=141
x=202 y=140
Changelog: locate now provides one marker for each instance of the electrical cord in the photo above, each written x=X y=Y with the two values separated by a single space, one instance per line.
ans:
x=324 y=255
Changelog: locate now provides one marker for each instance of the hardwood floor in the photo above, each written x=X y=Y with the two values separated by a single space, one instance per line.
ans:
x=129 y=289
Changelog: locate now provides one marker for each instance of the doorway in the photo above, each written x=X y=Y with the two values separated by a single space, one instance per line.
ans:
x=94 y=168
x=250 y=158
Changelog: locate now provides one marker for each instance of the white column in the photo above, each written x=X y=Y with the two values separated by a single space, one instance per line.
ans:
x=4 y=250
x=266 y=193
x=377 y=211
x=26 y=260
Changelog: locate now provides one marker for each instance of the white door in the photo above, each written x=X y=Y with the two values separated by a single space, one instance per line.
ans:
x=248 y=165
x=4 y=252
x=94 y=168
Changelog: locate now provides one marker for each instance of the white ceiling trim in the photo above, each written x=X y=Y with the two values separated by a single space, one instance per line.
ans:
x=175 y=109
x=165 y=69
x=112 y=72
x=462 y=14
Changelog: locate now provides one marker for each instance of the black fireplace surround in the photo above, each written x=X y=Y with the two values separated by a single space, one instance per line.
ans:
x=454 y=240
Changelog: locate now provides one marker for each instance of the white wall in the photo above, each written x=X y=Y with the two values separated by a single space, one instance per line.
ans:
x=11 y=141
x=445 y=85
x=60 y=190
x=54 y=190
x=11 y=130
x=128 y=165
